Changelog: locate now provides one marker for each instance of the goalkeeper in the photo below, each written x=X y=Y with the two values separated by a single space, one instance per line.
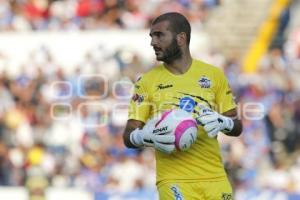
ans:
x=186 y=83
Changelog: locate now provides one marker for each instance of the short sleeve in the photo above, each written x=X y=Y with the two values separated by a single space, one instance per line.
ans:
x=224 y=96
x=139 y=108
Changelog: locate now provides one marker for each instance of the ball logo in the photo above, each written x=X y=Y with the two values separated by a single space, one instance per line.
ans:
x=163 y=129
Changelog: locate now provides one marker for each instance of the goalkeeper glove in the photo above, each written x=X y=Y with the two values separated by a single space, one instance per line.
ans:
x=214 y=122
x=151 y=136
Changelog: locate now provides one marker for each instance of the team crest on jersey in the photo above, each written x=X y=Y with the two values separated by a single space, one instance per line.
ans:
x=204 y=82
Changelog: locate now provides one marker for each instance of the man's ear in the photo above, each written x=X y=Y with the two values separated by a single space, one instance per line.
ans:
x=181 y=38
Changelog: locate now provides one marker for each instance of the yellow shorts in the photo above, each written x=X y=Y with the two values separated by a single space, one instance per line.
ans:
x=202 y=190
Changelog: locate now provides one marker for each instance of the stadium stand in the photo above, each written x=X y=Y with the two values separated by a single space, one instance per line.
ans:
x=60 y=129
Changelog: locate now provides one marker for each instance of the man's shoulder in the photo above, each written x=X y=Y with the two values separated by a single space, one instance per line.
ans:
x=148 y=75
x=206 y=65
x=154 y=69
x=208 y=68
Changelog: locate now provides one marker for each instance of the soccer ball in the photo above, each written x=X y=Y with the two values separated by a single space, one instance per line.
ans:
x=184 y=127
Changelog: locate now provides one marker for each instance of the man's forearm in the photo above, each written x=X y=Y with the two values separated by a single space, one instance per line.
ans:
x=237 y=128
x=131 y=126
x=126 y=137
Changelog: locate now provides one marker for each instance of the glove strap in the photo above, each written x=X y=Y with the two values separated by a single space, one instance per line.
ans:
x=229 y=124
x=136 y=138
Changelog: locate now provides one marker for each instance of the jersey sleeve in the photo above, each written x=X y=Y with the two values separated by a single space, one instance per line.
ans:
x=224 y=96
x=139 y=108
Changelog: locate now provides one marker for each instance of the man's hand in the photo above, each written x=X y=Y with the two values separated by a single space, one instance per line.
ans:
x=214 y=122
x=151 y=135
x=143 y=137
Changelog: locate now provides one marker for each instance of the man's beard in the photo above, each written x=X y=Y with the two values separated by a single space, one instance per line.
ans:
x=172 y=52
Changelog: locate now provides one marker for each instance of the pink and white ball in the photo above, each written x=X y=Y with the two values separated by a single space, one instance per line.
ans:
x=184 y=127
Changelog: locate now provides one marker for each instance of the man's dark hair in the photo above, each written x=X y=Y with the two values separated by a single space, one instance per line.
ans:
x=178 y=23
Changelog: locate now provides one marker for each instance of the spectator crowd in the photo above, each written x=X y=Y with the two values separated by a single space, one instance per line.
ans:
x=65 y=129
x=37 y=15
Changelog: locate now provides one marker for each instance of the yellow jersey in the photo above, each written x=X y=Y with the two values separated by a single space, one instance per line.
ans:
x=159 y=90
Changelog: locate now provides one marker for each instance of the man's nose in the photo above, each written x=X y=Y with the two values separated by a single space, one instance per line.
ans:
x=153 y=42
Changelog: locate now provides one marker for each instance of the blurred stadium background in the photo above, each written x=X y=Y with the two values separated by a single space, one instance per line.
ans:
x=66 y=73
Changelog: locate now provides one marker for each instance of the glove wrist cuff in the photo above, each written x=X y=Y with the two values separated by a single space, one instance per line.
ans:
x=136 y=138
x=229 y=124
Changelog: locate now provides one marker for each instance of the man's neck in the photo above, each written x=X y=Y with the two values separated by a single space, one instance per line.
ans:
x=180 y=66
